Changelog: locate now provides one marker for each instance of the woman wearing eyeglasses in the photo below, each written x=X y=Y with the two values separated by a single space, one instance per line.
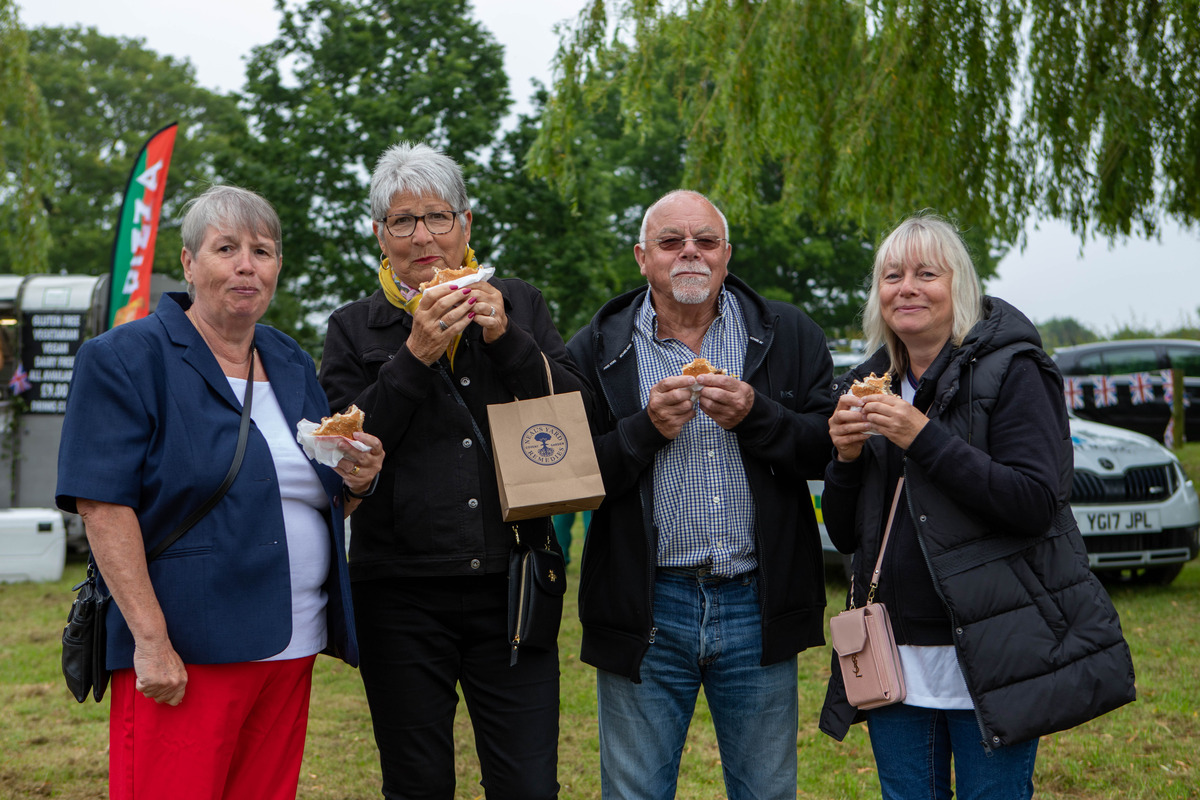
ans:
x=429 y=550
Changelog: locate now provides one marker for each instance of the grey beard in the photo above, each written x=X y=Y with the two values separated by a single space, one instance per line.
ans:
x=690 y=292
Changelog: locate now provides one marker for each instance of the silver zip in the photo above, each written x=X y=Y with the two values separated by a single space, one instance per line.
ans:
x=954 y=628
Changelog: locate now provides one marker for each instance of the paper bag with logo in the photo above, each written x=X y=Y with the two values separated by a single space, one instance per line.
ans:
x=545 y=461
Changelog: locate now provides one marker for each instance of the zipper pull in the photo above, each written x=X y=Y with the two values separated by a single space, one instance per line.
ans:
x=512 y=659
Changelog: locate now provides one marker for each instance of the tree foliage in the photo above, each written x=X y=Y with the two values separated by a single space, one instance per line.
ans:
x=24 y=151
x=581 y=254
x=868 y=112
x=1064 y=332
x=105 y=97
x=344 y=80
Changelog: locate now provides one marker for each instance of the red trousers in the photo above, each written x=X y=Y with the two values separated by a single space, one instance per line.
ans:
x=238 y=734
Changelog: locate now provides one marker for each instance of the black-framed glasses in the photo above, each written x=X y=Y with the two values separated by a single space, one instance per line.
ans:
x=673 y=243
x=404 y=225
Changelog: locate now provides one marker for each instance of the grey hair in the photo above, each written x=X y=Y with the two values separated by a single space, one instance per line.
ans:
x=229 y=206
x=418 y=169
x=671 y=194
x=925 y=238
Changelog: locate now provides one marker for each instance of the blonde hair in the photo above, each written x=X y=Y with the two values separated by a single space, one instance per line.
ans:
x=925 y=238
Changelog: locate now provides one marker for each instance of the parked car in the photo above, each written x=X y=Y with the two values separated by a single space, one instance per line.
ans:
x=845 y=359
x=1138 y=512
x=1130 y=357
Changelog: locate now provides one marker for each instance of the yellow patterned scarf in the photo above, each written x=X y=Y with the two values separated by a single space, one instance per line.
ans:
x=395 y=291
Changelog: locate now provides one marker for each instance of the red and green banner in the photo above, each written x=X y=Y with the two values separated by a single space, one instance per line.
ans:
x=133 y=247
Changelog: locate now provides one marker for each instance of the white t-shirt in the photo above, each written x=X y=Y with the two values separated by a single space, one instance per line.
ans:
x=304 y=507
x=932 y=675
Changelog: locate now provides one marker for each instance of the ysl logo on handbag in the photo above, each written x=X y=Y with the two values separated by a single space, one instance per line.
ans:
x=552 y=575
x=857 y=671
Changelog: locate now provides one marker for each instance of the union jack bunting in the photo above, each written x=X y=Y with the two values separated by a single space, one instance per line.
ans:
x=1141 y=390
x=1169 y=434
x=1073 y=392
x=19 y=382
x=1104 y=391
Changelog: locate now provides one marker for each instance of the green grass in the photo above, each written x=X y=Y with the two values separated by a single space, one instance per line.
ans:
x=56 y=748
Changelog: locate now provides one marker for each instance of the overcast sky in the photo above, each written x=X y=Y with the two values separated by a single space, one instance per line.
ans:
x=1144 y=283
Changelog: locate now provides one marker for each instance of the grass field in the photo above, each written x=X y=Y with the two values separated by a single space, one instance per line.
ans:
x=1151 y=749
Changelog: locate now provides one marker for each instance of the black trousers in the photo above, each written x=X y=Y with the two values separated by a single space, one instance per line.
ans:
x=418 y=638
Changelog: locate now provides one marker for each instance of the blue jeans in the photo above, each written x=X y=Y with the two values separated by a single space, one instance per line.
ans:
x=708 y=633
x=913 y=747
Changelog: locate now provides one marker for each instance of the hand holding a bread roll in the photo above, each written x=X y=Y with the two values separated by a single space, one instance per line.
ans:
x=670 y=405
x=848 y=425
x=441 y=315
x=357 y=468
x=487 y=310
x=724 y=398
x=848 y=428
x=895 y=418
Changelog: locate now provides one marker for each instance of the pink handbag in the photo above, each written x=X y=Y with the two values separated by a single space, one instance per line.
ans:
x=866 y=649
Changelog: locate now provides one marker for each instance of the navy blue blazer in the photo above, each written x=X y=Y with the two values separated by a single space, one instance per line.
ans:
x=152 y=424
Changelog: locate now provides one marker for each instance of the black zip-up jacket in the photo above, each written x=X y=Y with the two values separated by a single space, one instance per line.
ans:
x=784 y=441
x=985 y=554
x=436 y=509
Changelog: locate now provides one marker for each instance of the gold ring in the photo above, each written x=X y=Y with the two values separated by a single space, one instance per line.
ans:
x=442 y=324
x=355 y=470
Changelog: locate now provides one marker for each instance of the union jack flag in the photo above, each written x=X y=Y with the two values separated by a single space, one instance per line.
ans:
x=1073 y=392
x=1104 y=391
x=1169 y=434
x=1141 y=390
x=19 y=382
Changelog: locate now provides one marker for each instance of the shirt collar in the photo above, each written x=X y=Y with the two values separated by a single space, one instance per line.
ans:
x=646 y=320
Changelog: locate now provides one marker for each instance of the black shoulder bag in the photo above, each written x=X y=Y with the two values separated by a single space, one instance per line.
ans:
x=84 y=642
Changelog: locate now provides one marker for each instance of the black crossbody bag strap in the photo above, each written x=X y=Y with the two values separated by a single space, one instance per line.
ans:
x=483 y=440
x=243 y=435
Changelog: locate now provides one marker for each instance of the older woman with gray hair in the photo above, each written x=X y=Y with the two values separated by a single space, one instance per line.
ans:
x=429 y=554
x=1004 y=633
x=211 y=643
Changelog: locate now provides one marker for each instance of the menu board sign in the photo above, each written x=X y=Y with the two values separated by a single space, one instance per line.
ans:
x=49 y=343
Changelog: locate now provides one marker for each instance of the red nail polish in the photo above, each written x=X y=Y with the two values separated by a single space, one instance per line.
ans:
x=472 y=300
x=470 y=315
x=466 y=290
x=452 y=287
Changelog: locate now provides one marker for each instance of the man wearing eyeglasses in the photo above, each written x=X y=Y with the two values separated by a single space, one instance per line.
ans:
x=703 y=566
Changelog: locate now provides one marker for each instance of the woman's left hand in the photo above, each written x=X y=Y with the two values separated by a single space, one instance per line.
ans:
x=487 y=309
x=357 y=468
x=895 y=418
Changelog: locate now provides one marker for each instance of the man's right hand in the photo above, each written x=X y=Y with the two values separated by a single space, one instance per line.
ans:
x=670 y=405
x=161 y=674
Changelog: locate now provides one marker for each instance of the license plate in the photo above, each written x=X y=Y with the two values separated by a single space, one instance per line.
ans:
x=1141 y=521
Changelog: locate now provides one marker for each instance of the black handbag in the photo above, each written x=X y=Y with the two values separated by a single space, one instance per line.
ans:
x=84 y=639
x=537 y=581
